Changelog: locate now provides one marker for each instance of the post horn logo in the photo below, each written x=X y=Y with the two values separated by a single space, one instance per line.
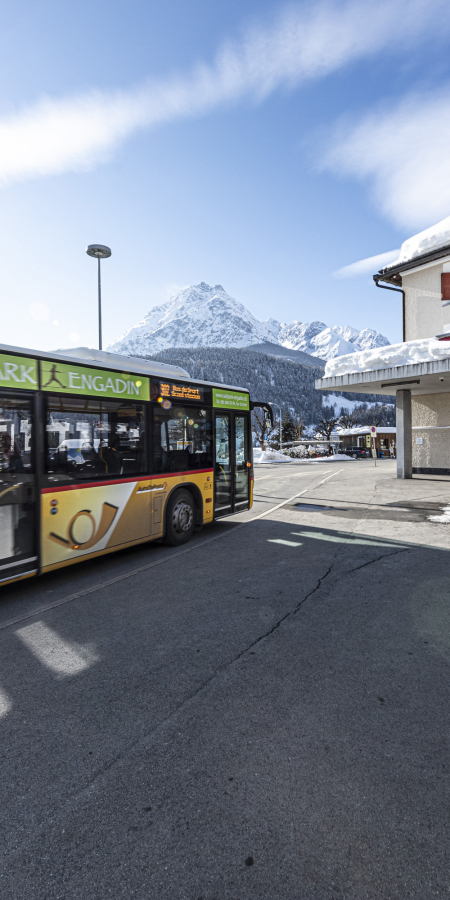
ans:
x=108 y=515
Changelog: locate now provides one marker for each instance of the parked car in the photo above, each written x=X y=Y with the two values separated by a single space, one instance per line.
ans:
x=357 y=452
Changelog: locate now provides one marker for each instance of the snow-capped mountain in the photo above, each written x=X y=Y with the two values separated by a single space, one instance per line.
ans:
x=320 y=340
x=198 y=316
x=204 y=316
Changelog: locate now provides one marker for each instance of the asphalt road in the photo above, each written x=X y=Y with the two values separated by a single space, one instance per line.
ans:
x=262 y=714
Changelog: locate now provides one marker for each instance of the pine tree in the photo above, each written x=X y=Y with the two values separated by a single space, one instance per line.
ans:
x=287 y=428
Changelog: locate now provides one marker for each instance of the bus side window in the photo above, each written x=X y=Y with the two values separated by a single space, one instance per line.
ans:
x=182 y=439
x=89 y=438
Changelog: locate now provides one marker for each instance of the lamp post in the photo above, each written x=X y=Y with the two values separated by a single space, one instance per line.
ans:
x=99 y=251
x=281 y=436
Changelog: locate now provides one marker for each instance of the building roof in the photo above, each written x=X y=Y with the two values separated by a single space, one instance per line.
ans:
x=430 y=377
x=421 y=249
x=392 y=273
x=392 y=356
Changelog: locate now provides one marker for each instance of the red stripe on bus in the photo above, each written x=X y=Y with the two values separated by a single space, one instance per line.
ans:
x=77 y=487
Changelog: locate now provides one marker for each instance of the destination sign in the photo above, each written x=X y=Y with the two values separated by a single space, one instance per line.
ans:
x=69 y=379
x=173 y=390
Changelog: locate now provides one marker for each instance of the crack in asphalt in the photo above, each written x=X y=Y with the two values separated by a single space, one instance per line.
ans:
x=377 y=559
x=130 y=747
x=85 y=791
x=292 y=612
x=72 y=799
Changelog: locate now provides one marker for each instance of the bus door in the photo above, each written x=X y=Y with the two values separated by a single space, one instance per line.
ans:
x=241 y=457
x=231 y=472
x=17 y=488
x=223 y=482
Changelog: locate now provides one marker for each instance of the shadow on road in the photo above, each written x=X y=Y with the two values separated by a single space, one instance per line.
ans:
x=281 y=694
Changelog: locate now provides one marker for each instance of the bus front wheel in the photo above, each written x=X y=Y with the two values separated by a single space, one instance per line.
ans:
x=180 y=518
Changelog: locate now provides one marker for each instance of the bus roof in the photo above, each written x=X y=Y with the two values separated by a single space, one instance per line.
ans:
x=106 y=360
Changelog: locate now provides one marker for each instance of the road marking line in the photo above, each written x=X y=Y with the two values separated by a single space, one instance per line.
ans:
x=158 y=562
x=351 y=539
x=289 y=475
x=286 y=543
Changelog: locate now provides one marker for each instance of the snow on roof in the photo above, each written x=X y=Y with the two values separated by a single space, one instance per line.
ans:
x=365 y=429
x=405 y=354
x=425 y=242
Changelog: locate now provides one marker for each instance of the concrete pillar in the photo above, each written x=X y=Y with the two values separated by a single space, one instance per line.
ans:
x=404 y=434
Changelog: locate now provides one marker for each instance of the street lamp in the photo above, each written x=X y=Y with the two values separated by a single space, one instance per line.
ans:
x=281 y=436
x=99 y=251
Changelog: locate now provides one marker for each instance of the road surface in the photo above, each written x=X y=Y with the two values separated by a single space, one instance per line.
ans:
x=262 y=714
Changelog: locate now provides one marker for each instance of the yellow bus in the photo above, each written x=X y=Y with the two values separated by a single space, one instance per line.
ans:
x=100 y=451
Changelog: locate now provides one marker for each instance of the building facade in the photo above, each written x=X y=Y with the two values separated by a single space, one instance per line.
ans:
x=361 y=437
x=418 y=370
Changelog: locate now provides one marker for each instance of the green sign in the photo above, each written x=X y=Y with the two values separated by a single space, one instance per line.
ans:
x=69 y=379
x=230 y=399
x=18 y=372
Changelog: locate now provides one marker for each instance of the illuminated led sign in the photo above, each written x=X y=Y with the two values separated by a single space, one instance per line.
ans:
x=173 y=391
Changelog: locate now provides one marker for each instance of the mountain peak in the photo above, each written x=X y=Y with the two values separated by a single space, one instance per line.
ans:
x=205 y=316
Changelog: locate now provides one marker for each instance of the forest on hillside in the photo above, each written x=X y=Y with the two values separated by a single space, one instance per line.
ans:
x=268 y=378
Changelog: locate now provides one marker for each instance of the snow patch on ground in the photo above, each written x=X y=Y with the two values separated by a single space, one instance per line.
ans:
x=337 y=457
x=405 y=354
x=264 y=456
x=444 y=518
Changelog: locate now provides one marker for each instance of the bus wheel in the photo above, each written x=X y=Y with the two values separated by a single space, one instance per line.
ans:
x=180 y=518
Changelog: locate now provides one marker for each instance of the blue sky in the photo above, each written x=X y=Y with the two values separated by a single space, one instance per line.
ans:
x=260 y=146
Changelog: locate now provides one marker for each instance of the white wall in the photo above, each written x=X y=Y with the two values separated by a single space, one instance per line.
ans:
x=425 y=315
x=431 y=425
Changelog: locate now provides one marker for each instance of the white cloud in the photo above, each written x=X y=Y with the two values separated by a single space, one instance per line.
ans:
x=367 y=266
x=403 y=152
x=307 y=41
x=39 y=312
x=74 y=337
